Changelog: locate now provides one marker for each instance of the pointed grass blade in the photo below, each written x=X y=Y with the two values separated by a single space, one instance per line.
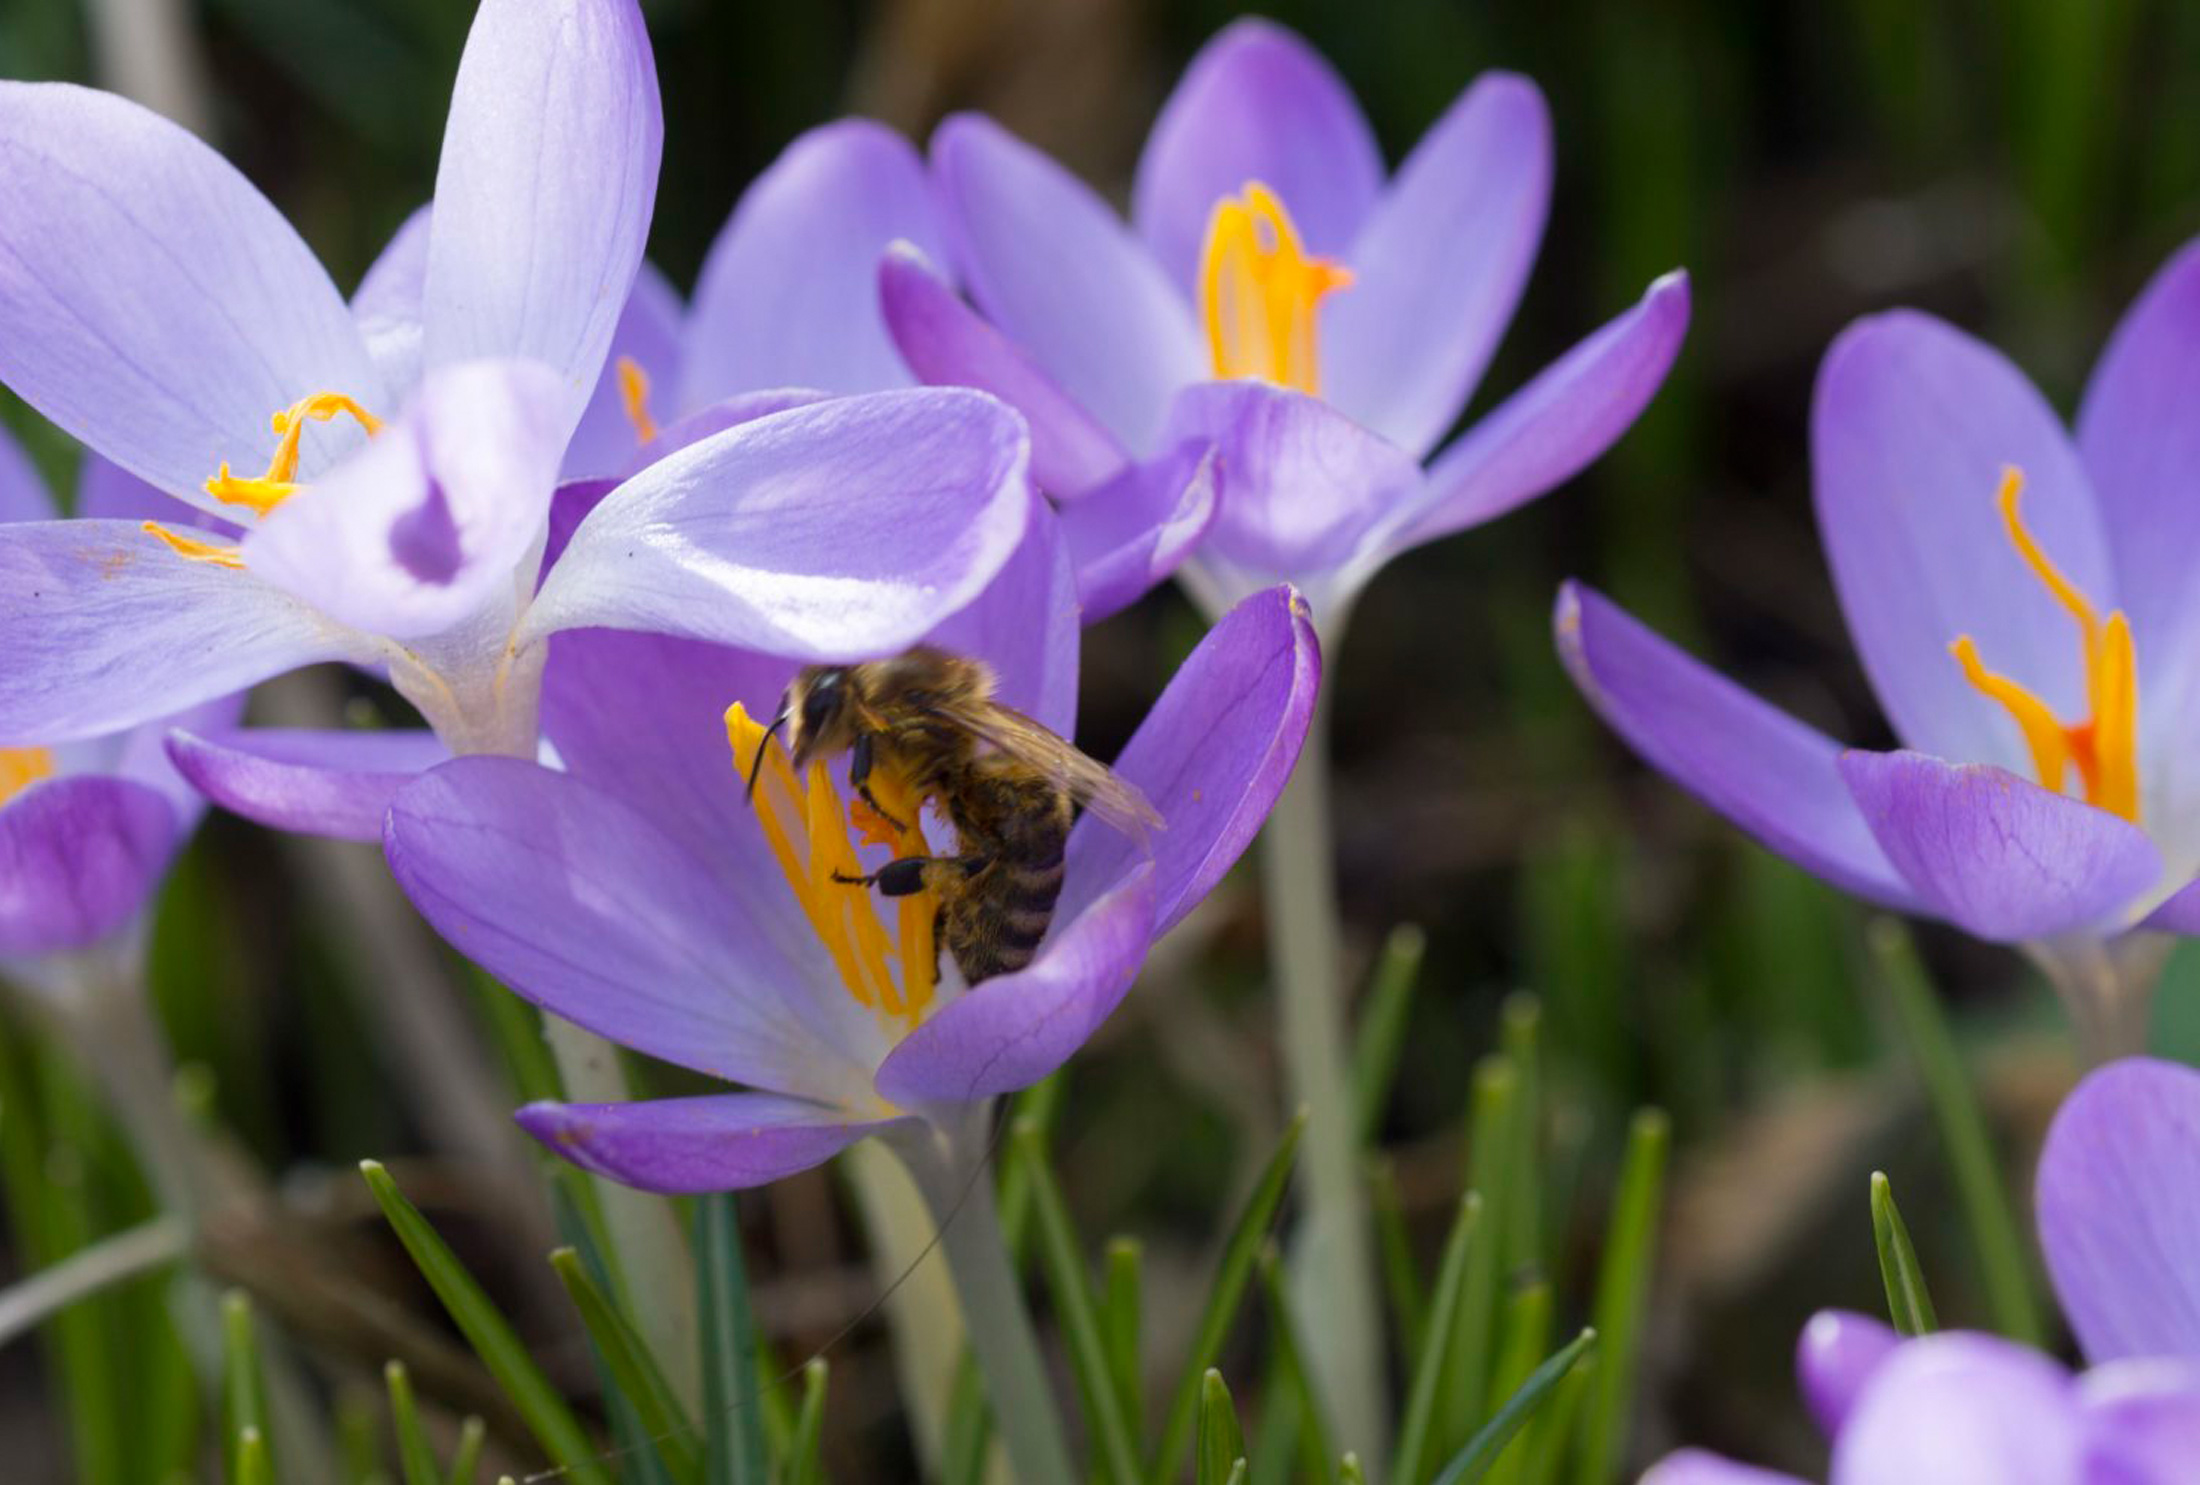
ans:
x=732 y=1390
x=415 y=1459
x=1623 y=1292
x=1909 y=1305
x=1428 y=1370
x=634 y=1371
x=1482 y=1451
x=1382 y=1030
x=1221 y=1445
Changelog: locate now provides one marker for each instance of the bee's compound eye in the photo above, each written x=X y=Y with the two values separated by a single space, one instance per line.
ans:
x=821 y=703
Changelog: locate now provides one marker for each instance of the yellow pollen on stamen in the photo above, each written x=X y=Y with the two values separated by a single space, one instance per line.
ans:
x=1260 y=294
x=634 y=395
x=263 y=494
x=22 y=767
x=196 y=551
x=2105 y=746
x=805 y=825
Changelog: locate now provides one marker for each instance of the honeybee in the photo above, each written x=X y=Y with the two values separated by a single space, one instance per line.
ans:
x=1009 y=786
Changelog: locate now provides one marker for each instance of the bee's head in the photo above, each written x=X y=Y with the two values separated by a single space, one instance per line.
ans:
x=820 y=721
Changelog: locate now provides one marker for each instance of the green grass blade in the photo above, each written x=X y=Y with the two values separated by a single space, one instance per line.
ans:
x=1401 y=1277
x=253 y=1465
x=1472 y=1462
x=1237 y=1473
x=1316 y=1442
x=244 y=1384
x=805 y=1464
x=415 y=1459
x=2004 y=1268
x=1623 y=1291
x=1909 y=1304
x=1527 y=1340
x=1428 y=1371
x=1349 y=1471
x=733 y=1419
x=1552 y=1434
x=1522 y=1033
x=1119 y=1311
x=1221 y=1446
x=1491 y=1165
x=1382 y=1030
x=466 y=1458
x=634 y=1372
x=1071 y=1287
x=489 y=1333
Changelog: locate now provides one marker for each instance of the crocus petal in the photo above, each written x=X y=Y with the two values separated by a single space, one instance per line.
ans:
x=717 y=418
x=1770 y=774
x=105 y=491
x=649 y=336
x=1140 y=527
x=1010 y=1031
x=141 y=755
x=713 y=1142
x=1959 y=1409
x=386 y=305
x=2118 y=1199
x=1912 y=424
x=1696 y=1467
x=2142 y=1422
x=948 y=344
x=789 y=294
x=1051 y=265
x=23 y=492
x=1211 y=757
x=1560 y=423
x=1256 y=104
x=2179 y=913
x=157 y=307
x=429 y=520
x=583 y=906
x=79 y=857
x=839 y=531
x=1439 y=266
x=105 y=627
x=1835 y=1356
x=544 y=192
x=335 y=784
x=1993 y=852
x=1025 y=625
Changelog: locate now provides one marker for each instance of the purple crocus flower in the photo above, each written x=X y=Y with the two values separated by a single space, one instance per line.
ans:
x=1281 y=302
x=2118 y=1202
x=641 y=895
x=2022 y=605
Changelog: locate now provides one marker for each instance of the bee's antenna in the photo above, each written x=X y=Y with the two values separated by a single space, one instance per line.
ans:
x=757 y=766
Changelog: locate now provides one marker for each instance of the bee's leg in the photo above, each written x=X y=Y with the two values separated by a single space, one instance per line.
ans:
x=907 y=875
x=859 y=778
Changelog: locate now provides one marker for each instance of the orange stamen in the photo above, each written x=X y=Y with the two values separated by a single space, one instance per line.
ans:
x=1259 y=292
x=196 y=551
x=634 y=395
x=280 y=482
x=22 y=767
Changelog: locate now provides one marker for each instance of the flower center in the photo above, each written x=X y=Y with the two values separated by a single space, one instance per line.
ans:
x=22 y=767
x=278 y=484
x=634 y=395
x=2105 y=746
x=806 y=825
x=1259 y=292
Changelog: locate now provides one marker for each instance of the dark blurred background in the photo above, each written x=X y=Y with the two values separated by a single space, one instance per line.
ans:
x=2019 y=167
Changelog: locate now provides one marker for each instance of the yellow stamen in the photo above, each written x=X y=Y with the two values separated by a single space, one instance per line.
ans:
x=22 y=767
x=634 y=393
x=1260 y=294
x=2105 y=746
x=196 y=551
x=280 y=482
x=806 y=827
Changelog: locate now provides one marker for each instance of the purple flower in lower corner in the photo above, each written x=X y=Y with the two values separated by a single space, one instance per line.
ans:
x=2023 y=605
x=640 y=894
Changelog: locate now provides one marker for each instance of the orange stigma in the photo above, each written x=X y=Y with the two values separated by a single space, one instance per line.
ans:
x=634 y=396
x=2105 y=746
x=279 y=483
x=22 y=767
x=1259 y=292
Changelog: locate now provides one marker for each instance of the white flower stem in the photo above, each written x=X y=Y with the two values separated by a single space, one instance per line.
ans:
x=2108 y=989
x=1334 y=1261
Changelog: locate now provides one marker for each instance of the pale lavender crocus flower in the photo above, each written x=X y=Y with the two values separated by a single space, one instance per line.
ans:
x=1281 y=301
x=2118 y=1202
x=2023 y=603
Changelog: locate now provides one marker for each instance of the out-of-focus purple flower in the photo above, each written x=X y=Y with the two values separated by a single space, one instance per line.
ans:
x=641 y=895
x=1277 y=298
x=2022 y=604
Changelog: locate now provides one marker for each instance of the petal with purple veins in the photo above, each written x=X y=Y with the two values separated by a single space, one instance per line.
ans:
x=334 y=784
x=1026 y=626
x=711 y=1142
x=80 y=857
x=1136 y=530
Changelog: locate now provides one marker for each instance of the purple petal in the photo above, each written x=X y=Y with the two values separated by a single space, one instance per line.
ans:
x=583 y=906
x=1995 y=853
x=79 y=858
x=2118 y=1198
x=1834 y=1357
x=948 y=344
x=1696 y=1467
x=2142 y=1421
x=789 y=294
x=141 y=755
x=543 y=196
x=1773 y=776
x=717 y=418
x=1131 y=534
x=1050 y=263
x=428 y=521
x=1911 y=428
x=1560 y=423
x=1010 y=1031
x=839 y=531
x=1959 y=1409
x=386 y=305
x=714 y=1142
x=105 y=491
x=157 y=308
x=1026 y=626
x=1256 y=104
x=2179 y=913
x=1439 y=267
x=649 y=334
x=335 y=784
x=105 y=627
x=23 y=492
x=1211 y=757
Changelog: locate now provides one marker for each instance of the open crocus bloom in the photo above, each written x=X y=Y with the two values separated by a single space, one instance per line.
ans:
x=642 y=895
x=2118 y=1204
x=1280 y=301
x=2023 y=606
